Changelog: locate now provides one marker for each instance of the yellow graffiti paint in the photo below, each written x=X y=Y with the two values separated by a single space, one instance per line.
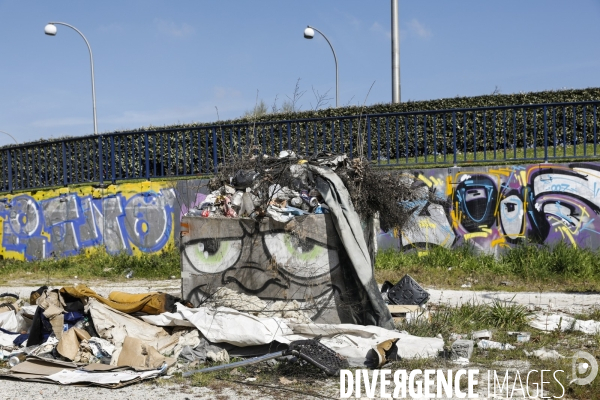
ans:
x=501 y=171
x=436 y=181
x=448 y=185
x=426 y=223
x=523 y=175
x=424 y=179
x=498 y=242
x=468 y=236
x=126 y=190
x=568 y=233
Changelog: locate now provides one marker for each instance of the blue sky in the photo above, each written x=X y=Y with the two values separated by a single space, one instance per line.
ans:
x=165 y=62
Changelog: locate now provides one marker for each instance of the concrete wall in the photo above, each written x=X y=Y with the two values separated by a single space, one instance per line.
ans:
x=129 y=217
x=490 y=207
x=497 y=207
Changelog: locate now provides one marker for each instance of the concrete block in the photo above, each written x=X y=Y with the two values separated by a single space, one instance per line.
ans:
x=462 y=349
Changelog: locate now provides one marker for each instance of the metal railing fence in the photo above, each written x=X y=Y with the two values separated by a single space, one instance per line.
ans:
x=536 y=132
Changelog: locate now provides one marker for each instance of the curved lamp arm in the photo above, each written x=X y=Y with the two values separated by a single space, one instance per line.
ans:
x=91 y=64
x=13 y=138
x=336 y=64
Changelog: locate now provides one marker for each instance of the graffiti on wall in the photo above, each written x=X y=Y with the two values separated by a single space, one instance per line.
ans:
x=130 y=218
x=496 y=207
x=301 y=260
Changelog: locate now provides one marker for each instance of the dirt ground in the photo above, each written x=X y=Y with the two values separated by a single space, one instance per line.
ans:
x=568 y=302
x=179 y=389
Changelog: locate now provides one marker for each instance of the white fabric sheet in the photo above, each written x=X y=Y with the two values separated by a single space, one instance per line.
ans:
x=67 y=377
x=551 y=323
x=223 y=324
x=12 y=322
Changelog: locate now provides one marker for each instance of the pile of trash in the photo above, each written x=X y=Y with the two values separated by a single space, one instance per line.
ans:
x=283 y=190
x=72 y=335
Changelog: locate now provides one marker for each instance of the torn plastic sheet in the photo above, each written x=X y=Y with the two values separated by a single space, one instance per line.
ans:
x=552 y=322
x=6 y=339
x=355 y=341
x=224 y=325
x=12 y=321
x=373 y=310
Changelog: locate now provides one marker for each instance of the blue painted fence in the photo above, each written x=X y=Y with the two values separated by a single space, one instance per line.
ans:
x=536 y=132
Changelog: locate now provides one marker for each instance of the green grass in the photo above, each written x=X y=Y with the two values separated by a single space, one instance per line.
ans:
x=522 y=155
x=94 y=264
x=525 y=267
x=500 y=318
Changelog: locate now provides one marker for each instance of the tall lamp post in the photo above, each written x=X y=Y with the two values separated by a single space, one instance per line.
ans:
x=395 y=54
x=50 y=30
x=309 y=33
x=13 y=138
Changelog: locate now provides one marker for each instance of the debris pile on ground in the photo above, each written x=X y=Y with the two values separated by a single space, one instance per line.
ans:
x=72 y=335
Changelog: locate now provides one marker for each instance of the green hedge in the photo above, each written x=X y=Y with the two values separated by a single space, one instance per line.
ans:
x=172 y=153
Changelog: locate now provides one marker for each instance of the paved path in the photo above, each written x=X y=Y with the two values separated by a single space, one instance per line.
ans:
x=568 y=302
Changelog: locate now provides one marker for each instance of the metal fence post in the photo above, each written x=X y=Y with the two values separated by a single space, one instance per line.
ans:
x=100 y=160
x=113 y=175
x=147 y=155
x=9 y=168
x=368 y=138
x=64 y=157
x=214 y=140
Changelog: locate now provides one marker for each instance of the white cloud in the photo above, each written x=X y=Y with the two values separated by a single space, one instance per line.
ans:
x=378 y=28
x=419 y=29
x=172 y=29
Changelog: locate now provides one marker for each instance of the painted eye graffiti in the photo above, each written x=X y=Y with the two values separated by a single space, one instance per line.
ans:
x=214 y=255
x=304 y=258
x=511 y=216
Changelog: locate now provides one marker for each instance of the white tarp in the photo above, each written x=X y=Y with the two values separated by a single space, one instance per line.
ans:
x=6 y=339
x=551 y=322
x=354 y=341
x=225 y=325
x=222 y=324
x=13 y=322
x=67 y=377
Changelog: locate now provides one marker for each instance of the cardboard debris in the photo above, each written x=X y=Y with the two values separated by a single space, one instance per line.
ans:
x=140 y=356
x=54 y=371
x=69 y=342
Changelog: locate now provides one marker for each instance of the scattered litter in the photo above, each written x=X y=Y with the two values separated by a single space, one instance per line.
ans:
x=407 y=292
x=462 y=349
x=484 y=334
x=521 y=336
x=490 y=344
x=456 y=336
x=552 y=322
x=285 y=381
x=465 y=285
x=544 y=354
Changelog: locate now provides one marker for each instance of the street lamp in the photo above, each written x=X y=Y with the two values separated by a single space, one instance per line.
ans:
x=396 y=98
x=50 y=30
x=309 y=33
x=13 y=138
